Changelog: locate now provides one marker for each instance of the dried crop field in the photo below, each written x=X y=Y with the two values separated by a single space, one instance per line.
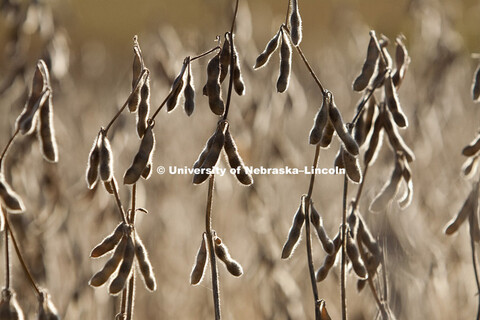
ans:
x=101 y=103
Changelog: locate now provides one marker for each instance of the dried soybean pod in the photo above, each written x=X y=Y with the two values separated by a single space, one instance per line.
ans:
x=366 y=238
x=402 y=60
x=337 y=121
x=106 y=158
x=46 y=133
x=472 y=148
x=213 y=86
x=111 y=266
x=361 y=82
x=206 y=149
x=238 y=83
x=272 y=45
x=321 y=119
x=225 y=56
x=389 y=190
x=375 y=142
x=365 y=121
x=9 y=307
x=361 y=284
x=352 y=167
x=28 y=123
x=285 y=63
x=476 y=85
x=393 y=103
x=406 y=199
x=317 y=222
x=142 y=158
x=213 y=153
x=144 y=264
x=200 y=263
x=189 y=93
x=327 y=134
x=178 y=86
x=10 y=199
x=295 y=24
x=110 y=242
x=143 y=107
x=235 y=160
x=147 y=172
x=295 y=230
x=469 y=167
x=137 y=69
x=221 y=251
x=323 y=311
x=395 y=138
x=27 y=119
x=46 y=308
x=462 y=215
x=92 y=164
x=339 y=158
x=123 y=274
x=354 y=255
x=353 y=223
x=111 y=185
x=322 y=273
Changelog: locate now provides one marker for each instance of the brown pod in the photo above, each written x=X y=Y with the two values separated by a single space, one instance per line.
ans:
x=285 y=63
x=143 y=107
x=375 y=142
x=189 y=93
x=366 y=238
x=270 y=48
x=337 y=121
x=476 y=85
x=352 y=167
x=406 y=199
x=469 y=167
x=327 y=134
x=321 y=119
x=238 y=83
x=323 y=311
x=295 y=231
x=213 y=86
x=463 y=214
x=110 y=242
x=295 y=24
x=221 y=251
x=402 y=60
x=361 y=82
x=111 y=185
x=393 y=103
x=106 y=159
x=124 y=272
x=147 y=172
x=200 y=263
x=235 y=160
x=142 y=158
x=472 y=148
x=339 y=158
x=135 y=96
x=137 y=69
x=9 y=198
x=353 y=222
x=389 y=190
x=317 y=222
x=354 y=255
x=178 y=86
x=46 y=308
x=365 y=121
x=394 y=137
x=144 y=264
x=9 y=307
x=225 y=57
x=201 y=157
x=213 y=154
x=337 y=241
x=111 y=266
x=27 y=119
x=46 y=132
x=92 y=164
x=322 y=273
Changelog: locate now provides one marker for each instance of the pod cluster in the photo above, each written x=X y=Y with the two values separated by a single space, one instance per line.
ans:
x=126 y=246
x=222 y=138
x=100 y=163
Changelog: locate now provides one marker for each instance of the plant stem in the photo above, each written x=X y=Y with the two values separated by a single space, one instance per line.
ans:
x=232 y=63
x=360 y=189
x=9 y=143
x=204 y=54
x=7 y=255
x=213 y=262
x=119 y=203
x=19 y=254
x=131 y=284
x=343 y=278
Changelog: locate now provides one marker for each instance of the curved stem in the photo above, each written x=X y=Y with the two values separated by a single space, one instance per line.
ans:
x=131 y=284
x=204 y=54
x=20 y=257
x=213 y=261
x=344 y=250
x=7 y=256
x=119 y=203
x=9 y=143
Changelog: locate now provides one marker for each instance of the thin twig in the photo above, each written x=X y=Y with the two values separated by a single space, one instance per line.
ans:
x=213 y=262
x=20 y=256
x=119 y=203
x=344 y=250
x=9 y=143
x=131 y=284
x=7 y=256
x=232 y=63
x=205 y=53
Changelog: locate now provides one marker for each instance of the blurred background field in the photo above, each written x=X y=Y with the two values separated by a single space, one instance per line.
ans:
x=430 y=274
